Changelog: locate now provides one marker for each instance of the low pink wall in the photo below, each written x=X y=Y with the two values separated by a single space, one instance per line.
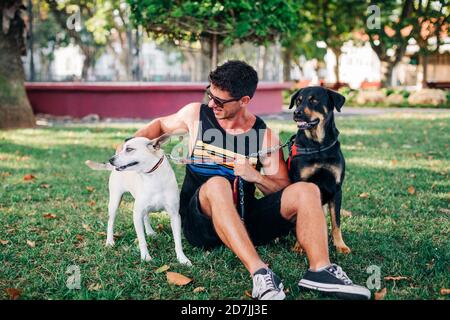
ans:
x=134 y=100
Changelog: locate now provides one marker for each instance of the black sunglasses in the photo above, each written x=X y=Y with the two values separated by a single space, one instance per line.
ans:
x=217 y=101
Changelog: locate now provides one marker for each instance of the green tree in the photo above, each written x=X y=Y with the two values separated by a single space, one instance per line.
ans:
x=390 y=39
x=15 y=109
x=216 y=23
x=430 y=22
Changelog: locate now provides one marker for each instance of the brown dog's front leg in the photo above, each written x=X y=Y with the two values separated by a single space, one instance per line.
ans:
x=335 y=213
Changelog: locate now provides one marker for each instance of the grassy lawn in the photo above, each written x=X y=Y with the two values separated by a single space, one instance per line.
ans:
x=398 y=163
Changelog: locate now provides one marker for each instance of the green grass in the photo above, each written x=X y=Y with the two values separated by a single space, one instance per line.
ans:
x=404 y=234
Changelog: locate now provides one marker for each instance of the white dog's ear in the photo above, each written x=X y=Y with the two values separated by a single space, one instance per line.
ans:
x=157 y=142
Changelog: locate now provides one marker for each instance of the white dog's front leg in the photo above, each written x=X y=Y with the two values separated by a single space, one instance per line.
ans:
x=114 y=202
x=138 y=220
x=175 y=223
x=148 y=228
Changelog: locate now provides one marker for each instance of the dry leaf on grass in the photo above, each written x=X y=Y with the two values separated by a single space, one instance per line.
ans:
x=28 y=177
x=49 y=216
x=162 y=269
x=297 y=248
x=444 y=210
x=346 y=213
x=94 y=287
x=4 y=242
x=396 y=278
x=92 y=203
x=177 y=279
x=45 y=186
x=160 y=227
x=248 y=294
x=31 y=244
x=13 y=293
x=445 y=291
x=79 y=237
x=199 y=289
x=364 y=195
x=90 y=188
x=381 y=294
x=411 y=190
x=86 y=227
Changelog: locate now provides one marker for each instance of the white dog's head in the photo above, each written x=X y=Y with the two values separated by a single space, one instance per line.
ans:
x=139 y=154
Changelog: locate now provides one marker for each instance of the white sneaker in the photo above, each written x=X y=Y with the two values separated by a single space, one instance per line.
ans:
x=267 y=285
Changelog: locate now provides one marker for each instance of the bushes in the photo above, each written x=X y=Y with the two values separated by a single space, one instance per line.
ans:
x=389 y=97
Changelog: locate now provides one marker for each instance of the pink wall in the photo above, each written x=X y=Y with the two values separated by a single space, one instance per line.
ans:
x=134 y=100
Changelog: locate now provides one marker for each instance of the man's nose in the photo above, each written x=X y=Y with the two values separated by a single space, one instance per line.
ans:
x=211 y=103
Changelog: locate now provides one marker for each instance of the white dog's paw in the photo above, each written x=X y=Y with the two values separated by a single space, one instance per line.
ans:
x=146 y=257
x=184 y=260
x=110 y=243
x=150 y=233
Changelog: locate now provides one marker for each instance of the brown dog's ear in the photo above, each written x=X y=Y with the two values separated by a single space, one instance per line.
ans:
x=157 y=142
x=337 y=99
x=294 y=97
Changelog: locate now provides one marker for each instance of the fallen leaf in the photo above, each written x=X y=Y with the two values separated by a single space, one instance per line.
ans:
x=86 y=227
x=79 y=237
x=444 y=210
x=102 y=233
x=394 y=162
x=160 y=227
x=162 y=269
x=411 y=190
x=5 y=174
x=49 y=216
x=4 y=242
x=13 y=293
x=177 y=278
x=92 y=203
x=418 y=155
x=445 y=291
x=381 y=294
x=31 y=244
x=346 y=213
x=28 y=177
x=90 y=188
x=364 y=195
x=199 y=289
x=94 y=287
x=297 y=248
x=248 y=294
x=412 y=175
x=396 y=278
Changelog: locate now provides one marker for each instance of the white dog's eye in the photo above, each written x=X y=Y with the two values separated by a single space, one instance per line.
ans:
x=129 y=149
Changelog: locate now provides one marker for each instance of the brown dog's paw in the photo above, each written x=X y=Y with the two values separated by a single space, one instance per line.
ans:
x=343 y=249
x=298 y=248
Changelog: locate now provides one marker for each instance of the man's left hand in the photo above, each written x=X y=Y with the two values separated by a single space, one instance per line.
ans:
x=245 y=170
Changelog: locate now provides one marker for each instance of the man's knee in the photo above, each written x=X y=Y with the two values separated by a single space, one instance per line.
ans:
x=296 y=195
x=216 y=186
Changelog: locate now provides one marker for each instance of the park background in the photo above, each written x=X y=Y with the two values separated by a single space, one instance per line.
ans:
x=79 y=76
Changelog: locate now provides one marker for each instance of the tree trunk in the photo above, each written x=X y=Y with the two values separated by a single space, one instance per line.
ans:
x=337 y=52
x=15 y=109
x=424 y=63
x=214 y=51
x=287 y=65
x=387 y=67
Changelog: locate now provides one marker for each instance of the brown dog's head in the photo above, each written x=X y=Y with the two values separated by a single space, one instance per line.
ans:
x=314 y=106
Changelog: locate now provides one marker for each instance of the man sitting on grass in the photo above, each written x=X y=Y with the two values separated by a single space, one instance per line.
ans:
x=224 y=140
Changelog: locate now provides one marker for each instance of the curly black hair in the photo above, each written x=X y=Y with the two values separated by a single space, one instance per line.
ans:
x=236 y=77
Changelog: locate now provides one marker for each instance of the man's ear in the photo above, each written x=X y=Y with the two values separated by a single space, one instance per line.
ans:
x=157 y=142
x=337 y=99
x=294 y=97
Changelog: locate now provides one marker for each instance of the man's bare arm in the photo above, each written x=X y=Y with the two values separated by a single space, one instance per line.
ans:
x=179 y=122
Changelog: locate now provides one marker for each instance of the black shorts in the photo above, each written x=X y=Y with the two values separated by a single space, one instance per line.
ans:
x=263 y=221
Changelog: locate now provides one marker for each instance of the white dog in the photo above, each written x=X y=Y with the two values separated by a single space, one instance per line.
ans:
x=142 y=169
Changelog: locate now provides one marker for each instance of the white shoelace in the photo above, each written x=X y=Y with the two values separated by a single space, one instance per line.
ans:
x=340 y=274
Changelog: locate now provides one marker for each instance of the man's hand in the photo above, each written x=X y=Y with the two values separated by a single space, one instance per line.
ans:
x=245 y=170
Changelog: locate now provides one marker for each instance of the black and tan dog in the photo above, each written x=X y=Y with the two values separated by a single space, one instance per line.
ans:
x=314 y=152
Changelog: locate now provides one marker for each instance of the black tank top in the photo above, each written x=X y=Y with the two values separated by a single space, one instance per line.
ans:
x=214 y=144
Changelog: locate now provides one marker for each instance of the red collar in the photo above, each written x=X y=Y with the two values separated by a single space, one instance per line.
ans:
x=156 y=166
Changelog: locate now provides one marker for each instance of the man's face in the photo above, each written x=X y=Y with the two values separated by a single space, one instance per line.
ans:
x=228 y=109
